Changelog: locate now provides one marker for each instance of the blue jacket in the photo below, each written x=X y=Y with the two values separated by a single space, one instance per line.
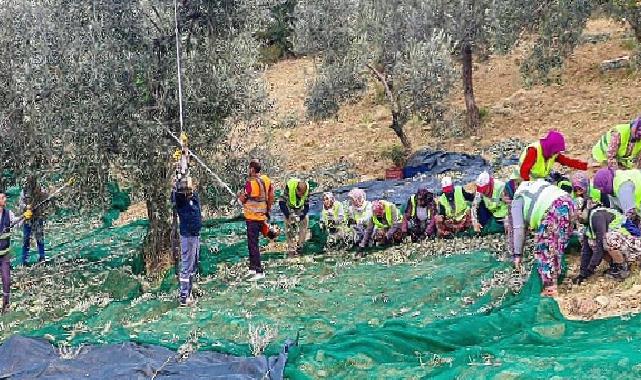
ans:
x=188 y=210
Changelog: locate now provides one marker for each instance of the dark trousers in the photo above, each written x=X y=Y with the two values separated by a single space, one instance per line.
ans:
x=35 y=228
x=253 y=234
x=5 y=263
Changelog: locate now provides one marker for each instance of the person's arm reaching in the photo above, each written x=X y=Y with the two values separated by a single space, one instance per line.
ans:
x=571 y=162
x=518 y=228
x=283 y=208
x=613 y=148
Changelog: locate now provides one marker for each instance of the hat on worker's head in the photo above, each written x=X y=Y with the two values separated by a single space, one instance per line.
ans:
x=484 y=183
x=378 y=208
x=446 y=185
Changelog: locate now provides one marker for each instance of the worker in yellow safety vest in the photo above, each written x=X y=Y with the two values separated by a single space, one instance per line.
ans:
x=489 y=204
x=624 y=187
x=547 y=211
x=385 y=225
x=294 y=204
x=538 y=159
x=454 y=209
x=620 y=147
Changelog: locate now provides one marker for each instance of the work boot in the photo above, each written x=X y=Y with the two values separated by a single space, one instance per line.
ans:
x=611 y=269
x=620 y=273
x=581 y=278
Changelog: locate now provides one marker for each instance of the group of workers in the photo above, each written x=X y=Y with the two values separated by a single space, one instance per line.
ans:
x=602 y=212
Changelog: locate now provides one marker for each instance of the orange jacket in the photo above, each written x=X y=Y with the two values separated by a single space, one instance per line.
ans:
x=259 y=197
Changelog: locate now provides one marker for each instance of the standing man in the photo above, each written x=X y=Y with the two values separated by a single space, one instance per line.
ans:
x=7 y=218
x=257 y=199
x=294 y=204
x=34 y=219
x=187 y=205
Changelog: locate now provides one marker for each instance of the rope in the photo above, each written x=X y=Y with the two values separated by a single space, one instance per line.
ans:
x=202 y=163
x=180 y=91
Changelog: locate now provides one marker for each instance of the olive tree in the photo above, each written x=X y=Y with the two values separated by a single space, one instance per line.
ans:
x=92 y=92
x=394 y=43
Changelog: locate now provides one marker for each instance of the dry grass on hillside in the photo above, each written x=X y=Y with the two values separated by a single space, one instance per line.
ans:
x=587 y=103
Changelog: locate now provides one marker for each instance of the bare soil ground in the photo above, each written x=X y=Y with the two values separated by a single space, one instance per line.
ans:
x=586 y=103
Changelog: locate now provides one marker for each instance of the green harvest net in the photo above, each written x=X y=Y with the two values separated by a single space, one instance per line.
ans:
x=405 y=312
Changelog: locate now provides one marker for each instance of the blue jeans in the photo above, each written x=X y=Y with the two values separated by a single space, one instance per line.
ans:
x=35 y=227
x=190 y=250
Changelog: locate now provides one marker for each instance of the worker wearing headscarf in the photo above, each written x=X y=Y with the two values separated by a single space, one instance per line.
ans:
x=420 y=215
x=623 y=186
x=359 y=213
x=488 y=204
x=620 y=148
x=539 y=157
x=547 y=211
x=384 y=226
x=454 y=209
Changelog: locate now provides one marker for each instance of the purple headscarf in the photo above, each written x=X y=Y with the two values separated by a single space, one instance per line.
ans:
x=552 y=144
x=580 y=181
x=636 y=125
x=603 y=180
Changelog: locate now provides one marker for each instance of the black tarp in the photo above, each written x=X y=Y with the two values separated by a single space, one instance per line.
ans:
x=28 y=358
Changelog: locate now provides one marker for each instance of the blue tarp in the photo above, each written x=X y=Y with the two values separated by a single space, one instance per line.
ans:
x=28 y=358
x=421 y=170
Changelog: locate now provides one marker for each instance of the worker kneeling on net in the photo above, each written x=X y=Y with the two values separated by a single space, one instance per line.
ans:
x=549 y=212
x=187 y=205
x=623 y=185
x=333 y=221
x=359 y=214
x=294 y=204
x=385 y=225
x=419 y=220
x=489 y=206
x=454 y=209
x=609 y=236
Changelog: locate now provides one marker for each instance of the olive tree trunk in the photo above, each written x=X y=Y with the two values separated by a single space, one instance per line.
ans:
x=473 y=118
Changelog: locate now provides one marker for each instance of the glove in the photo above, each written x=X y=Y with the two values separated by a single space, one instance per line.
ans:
x=183 y=138
x=28 y=214
x=177 y=155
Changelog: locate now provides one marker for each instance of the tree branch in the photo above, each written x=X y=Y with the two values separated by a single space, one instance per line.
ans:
x=388 y=90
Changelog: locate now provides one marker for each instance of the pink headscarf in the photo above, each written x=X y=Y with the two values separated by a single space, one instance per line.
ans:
x=378 y=208
x=553 y=143
x=358 y=197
